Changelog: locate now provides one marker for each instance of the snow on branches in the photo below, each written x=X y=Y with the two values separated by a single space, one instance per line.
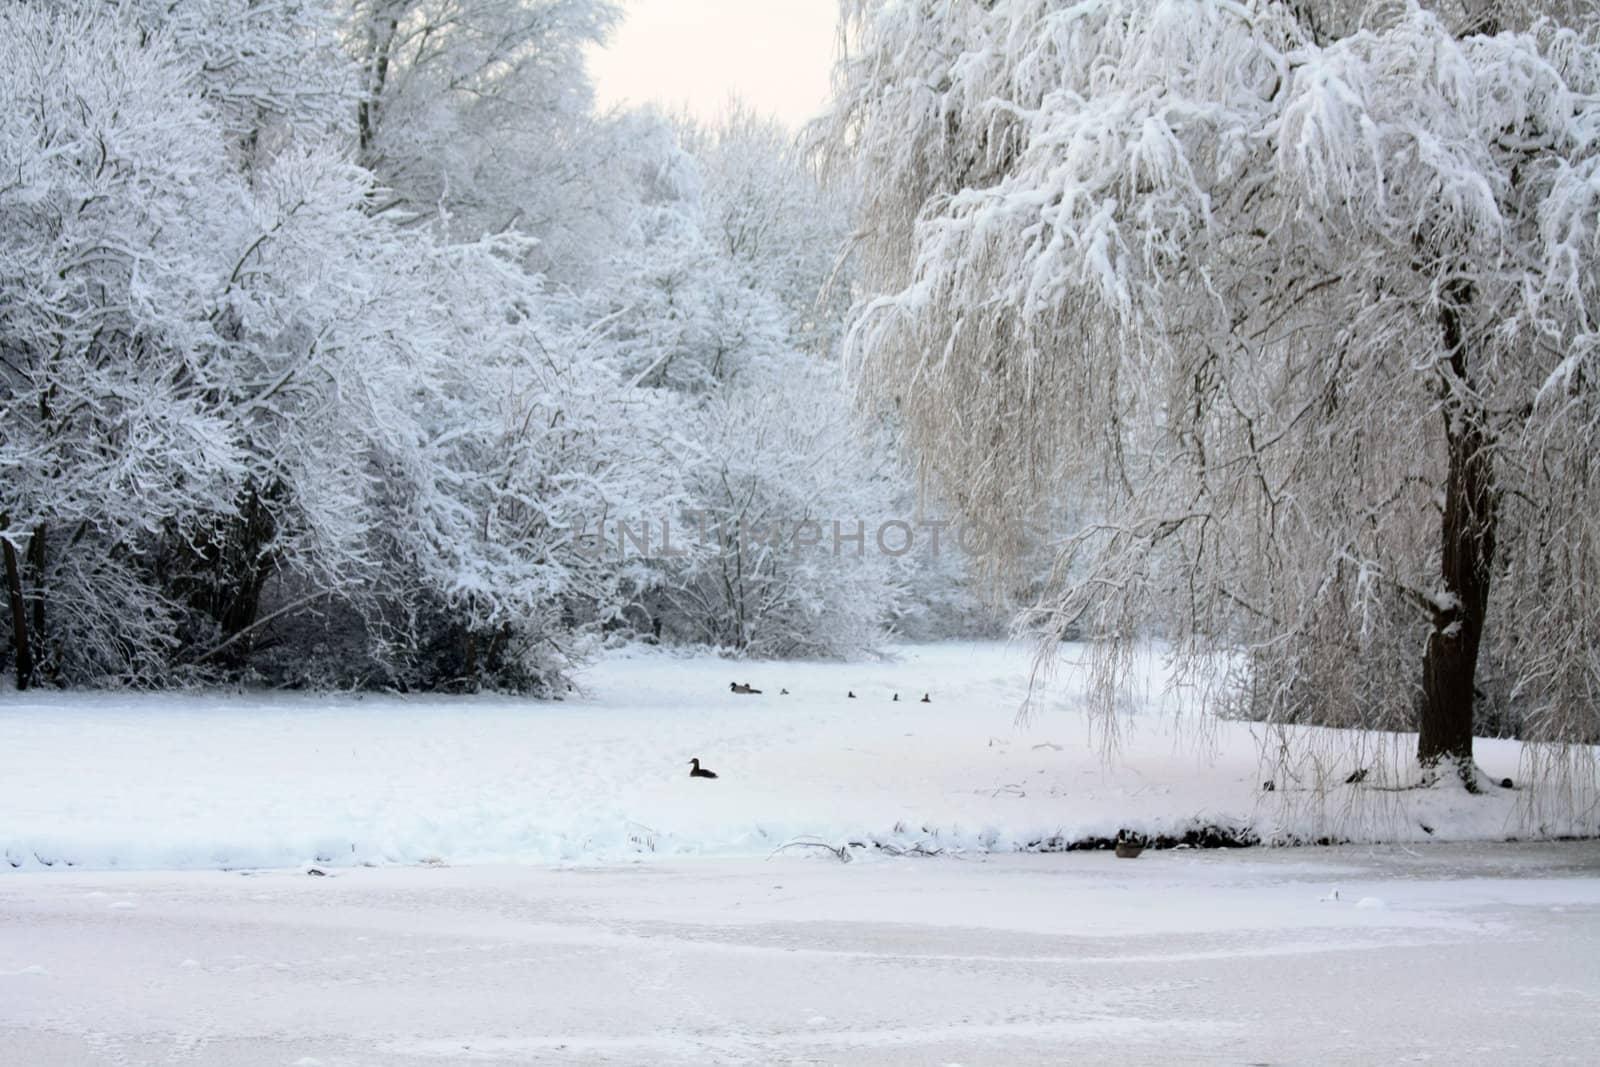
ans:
x=1306 y=315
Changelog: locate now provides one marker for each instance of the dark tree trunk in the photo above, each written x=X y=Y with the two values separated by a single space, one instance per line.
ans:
x=36 y=562
x=19 y=615
x=245 y=573
x=1468 y=536
x=262 y=564
x=372 y=95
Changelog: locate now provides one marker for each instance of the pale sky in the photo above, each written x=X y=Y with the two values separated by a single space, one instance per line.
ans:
x=774 y=54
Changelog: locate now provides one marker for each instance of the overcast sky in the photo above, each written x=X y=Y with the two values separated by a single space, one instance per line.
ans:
x=775 y=54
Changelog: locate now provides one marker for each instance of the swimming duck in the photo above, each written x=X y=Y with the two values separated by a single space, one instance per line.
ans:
x=697 y=771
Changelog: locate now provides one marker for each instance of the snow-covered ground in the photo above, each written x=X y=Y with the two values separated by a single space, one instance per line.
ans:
x=230 y=781
x=1443 y=954
x=551 y=885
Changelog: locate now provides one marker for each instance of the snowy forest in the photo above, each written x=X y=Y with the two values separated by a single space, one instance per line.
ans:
x=342 y=344
x=348 y=344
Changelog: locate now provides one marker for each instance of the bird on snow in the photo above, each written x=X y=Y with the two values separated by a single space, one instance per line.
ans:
x=1126 y=849
x=783 y=692
x=697 y=771
x=740 y=687
x=851 y=694
x=925 y=699
x=897 y=698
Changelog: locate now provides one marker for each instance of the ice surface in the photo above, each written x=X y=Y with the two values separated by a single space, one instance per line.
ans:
x=1484 y=953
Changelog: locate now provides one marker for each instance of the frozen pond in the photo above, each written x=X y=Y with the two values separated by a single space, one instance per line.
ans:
x=1443 y=954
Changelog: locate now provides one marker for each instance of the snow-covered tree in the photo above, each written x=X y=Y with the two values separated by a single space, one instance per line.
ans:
x=529 y=442
x=247 y=414
x=1311 y=314
x=477 y=115
x=116 y=217
x=274 y=71
x=417 y=463
x=782 y=228
x=678 y=311
x=713 y=324
x=786 y=500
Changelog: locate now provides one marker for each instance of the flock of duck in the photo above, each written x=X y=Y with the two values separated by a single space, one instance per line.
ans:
x=1127 y=846
x=850 y=694
x=697 y=771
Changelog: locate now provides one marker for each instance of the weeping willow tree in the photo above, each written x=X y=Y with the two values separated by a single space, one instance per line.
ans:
x=1309 y=316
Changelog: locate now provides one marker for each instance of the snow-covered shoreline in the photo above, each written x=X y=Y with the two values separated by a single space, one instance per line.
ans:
x=208 y=781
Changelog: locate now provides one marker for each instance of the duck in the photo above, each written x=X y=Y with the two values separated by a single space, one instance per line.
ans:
x=740 y=687
x=896 y=698
x=1126 y=849
x=924 y=699
x=850 y=694
x=783 y=692
x=697 y=771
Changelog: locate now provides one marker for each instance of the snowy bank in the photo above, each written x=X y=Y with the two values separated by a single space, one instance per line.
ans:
x=277 y=780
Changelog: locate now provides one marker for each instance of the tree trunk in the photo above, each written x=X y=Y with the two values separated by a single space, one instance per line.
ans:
x=36 y=561
x=1468 y=534
x=19 y=615
x=372 y=92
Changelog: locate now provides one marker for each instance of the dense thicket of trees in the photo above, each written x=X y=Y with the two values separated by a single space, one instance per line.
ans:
x=1299 y=296
x=332 y=333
